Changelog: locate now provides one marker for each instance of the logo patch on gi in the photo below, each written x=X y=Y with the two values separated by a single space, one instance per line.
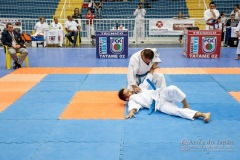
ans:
x=209 y=44
x=117 y=44
x=52 y=38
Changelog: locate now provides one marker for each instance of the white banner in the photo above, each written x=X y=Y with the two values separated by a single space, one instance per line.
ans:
x=169 y=26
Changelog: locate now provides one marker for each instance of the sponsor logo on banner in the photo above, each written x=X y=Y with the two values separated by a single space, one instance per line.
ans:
x=52 y=38
x=117 y=44
x=159 y=24
x=102 y=45
x=194 y=45
x=209 y=44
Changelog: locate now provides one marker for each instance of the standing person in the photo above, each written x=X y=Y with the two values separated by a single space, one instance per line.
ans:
x=218 y=25
x=90 y=27
x=210 y=16
x=15 y=44
x=139 y=28
x=77 y=15
x=165 y=98
x=40 y=26
x=98 y=9
x=91 y=5
x=140 y=64
x=236 y=11
x=238 y=48
x=72 y=28
x=232 y=22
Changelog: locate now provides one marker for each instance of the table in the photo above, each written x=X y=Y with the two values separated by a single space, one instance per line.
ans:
x=112 y=44
x=202 y=43
x=51 y=36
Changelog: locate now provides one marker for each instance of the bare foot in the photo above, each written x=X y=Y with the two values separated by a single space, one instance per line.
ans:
x=237 y=58
x=207 y=117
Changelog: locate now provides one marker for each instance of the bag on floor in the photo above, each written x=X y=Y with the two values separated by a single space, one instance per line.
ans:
x=26 y=37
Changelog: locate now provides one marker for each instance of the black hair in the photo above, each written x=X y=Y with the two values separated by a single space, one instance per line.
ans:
x=121 y=95
x=8 y=24
x=222 y=13
x=236 y=5
x=148 y=53
x=211 y=3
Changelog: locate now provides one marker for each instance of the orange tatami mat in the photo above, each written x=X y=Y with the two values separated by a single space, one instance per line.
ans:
x=94 y=105
x=16 y=86
x=235 y=95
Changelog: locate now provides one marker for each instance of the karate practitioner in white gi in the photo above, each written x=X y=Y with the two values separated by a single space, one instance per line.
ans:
x=139 y=28
x=211 y=15
x=238 y=48
x=164 y=97
x=139 y=65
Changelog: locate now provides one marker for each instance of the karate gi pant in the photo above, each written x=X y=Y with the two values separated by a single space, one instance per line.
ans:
x=168 y=97
x=238 y=48
x=90 y=31
x=139 y=30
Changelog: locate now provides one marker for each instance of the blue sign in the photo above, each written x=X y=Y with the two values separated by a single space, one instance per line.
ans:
x=112 y=44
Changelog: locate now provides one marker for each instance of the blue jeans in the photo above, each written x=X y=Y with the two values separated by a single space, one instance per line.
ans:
x=69 y=36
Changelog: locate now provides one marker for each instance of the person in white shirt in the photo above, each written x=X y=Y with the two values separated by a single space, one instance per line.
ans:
x=236 y=11
x=140 y=64
x=56 y=24
x=40 y=26
x=72 y=28
x=210 y=16
x=165 y=99
x=238 y=48
x=139 y=28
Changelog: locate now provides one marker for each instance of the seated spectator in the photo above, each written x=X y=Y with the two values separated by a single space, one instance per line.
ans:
x=90 y=27
x=40 y=26
x=77 y=15
x=72 y=28
x=98 y=9
x=15 y=44
x=56 y=24
x=236 y=11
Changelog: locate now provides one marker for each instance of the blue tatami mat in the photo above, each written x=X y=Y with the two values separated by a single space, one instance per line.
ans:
x=87 y=131
x=15 y=151
x=191 y=78
x=81 y=151
x=199 y=87
x=230 y=82
x=161 y=151
x=57 y=87
x=34 y=111
x=45 y=97
x=105 y=82
x=64 y=78
x=25 y=131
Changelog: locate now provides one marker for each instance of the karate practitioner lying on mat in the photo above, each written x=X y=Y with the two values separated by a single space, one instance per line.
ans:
x=164 y=97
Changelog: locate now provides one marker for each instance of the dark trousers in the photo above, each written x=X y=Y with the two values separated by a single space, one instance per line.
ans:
x=69 y=36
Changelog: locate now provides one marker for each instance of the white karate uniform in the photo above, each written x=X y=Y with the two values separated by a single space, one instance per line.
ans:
x=208 y=14
x=138 y=66
x=139 y=28
x=165 y=100
x=39 y=27
x=238 y=30
x=56 y=26
x=236 y=14
x=71 y=25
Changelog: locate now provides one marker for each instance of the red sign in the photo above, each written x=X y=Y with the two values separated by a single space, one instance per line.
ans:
x=202 y=43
